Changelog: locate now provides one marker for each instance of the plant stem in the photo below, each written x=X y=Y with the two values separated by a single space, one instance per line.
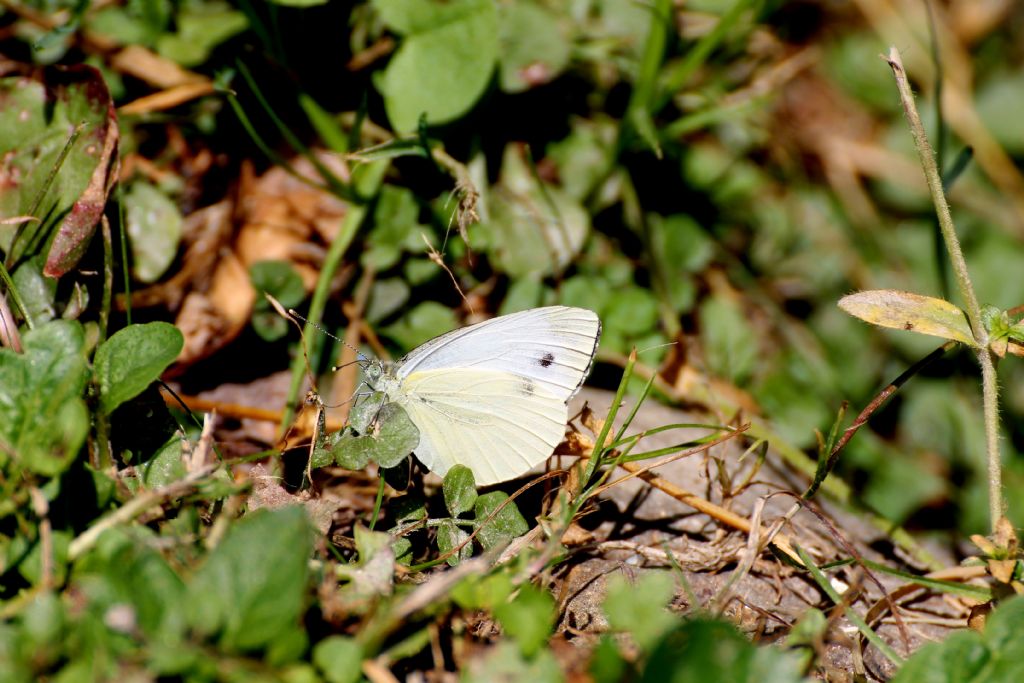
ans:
x=366 y=182
x=990 y=387
x=990 y=401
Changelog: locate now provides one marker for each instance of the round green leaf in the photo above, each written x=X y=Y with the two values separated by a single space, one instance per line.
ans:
x=44 y=418
x=729 y=342
x=459 y=488
x=398 y=436
x=428 y=320
x=444 y=63
x=132 y=358
x=339 y=659
x=528 y=618
x=154 y=224
x=505 y=526
x=534 y=47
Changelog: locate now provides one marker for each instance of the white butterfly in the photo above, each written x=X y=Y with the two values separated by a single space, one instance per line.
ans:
x=492 y=396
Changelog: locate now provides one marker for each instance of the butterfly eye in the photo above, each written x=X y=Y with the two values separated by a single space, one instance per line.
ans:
x=373 y=372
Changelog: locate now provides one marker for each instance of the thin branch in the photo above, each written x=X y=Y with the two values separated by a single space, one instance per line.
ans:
x=135 y=507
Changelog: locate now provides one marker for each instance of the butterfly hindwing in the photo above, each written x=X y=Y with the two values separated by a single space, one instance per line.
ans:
x=496 y=423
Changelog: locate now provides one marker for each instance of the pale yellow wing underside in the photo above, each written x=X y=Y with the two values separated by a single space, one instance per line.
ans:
x=496 y=423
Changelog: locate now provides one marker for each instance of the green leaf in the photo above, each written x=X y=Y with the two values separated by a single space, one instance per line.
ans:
x=37 y=291
x=45 y=420
x=505 y=663
x=395 y=438
x=586 y=291
x=908 y=311
x=252 y=588
x=132 y=358
x=523 y=294
x=705 y=649
x=534 y=45
x=534 y=228
x=679 y=247
x=350 y=451
x=135 y=22
x=387 y=296
x=365 y=412
x=995 y=655
x=639 y=608
x=428 y=320
x=43 y=620
x=201 y=27
x=124 y=569
x=165 y=466
x=528 y=617
x=396 y=228
x=37 y=117
x=32 y=566
x=631 y=311
x=411 y=507
x=607 y=664
x=444 y=62
x=459 y=488
x=339 y=659
x=373 y=573
x=505 y=526
x=449 y=537
x=154 y=224
x=728 y=341
x=280 y=280
x=482 y=592
x=808 y=629
x=997 y=98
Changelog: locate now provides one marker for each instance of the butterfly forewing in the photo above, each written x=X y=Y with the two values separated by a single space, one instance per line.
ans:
x=553 y=346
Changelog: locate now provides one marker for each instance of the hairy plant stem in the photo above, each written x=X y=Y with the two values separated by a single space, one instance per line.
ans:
x=989 y=383
x=990 y=401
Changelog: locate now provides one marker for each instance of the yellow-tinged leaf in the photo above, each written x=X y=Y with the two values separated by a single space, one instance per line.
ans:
x=908 y=311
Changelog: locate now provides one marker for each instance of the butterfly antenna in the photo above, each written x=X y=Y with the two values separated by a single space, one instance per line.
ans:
x=290 y=315
x=295 y=315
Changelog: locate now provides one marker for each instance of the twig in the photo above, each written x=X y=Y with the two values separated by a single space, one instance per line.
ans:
x=718 y=512
x=42 y=510
x=133 y=508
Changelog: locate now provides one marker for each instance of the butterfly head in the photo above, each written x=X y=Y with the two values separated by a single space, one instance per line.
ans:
x=374 y=371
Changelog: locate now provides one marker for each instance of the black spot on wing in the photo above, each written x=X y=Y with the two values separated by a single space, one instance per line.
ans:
x=547 y=359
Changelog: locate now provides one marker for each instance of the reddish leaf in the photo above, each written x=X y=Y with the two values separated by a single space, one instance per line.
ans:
x=100 y=141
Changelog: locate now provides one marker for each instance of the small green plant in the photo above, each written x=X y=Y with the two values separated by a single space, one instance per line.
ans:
x=988 y=331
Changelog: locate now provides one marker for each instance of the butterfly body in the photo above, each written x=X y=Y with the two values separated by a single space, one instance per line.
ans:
x=493 y=396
